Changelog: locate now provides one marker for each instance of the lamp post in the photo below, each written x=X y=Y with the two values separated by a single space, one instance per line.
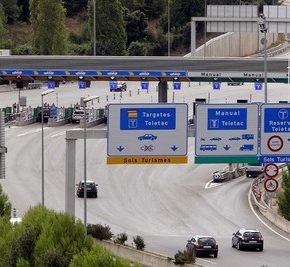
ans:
x=264 y=29
x=94 y=27
x=49 y=91
x=86 y=100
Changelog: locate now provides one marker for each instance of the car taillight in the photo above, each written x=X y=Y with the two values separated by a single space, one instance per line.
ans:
x=244 y=238
x=197 y=245
x=260 y=238
x=215 y=246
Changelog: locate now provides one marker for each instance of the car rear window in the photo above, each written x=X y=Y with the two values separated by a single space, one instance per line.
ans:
x=206 y=240
x=252 y=234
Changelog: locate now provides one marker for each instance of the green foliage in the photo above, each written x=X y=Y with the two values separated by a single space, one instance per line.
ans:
x=99 y=231
x=48 y=23
x=24 y=49
x=111 y=37
x=22 y=263
x=136 y=24
x=139 y=242
x=284 y=196
x=75 y=6
x=137 y=49
x=121 y=238
x=11 y=10
x=5 y=205
x=184 y=257
x=100 y=257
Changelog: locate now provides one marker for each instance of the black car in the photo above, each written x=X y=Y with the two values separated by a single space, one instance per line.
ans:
x=46 y=115
x=248 y=238
x=92 y=190
x=202 y=245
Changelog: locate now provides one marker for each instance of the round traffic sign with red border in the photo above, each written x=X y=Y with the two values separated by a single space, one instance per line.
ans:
x=271 y=185
x=271 y=170
x=275 y=143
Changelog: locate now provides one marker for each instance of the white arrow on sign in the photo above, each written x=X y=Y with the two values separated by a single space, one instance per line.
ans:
x=271 y=170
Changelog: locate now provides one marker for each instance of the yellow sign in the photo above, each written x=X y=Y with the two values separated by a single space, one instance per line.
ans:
x=147 y=160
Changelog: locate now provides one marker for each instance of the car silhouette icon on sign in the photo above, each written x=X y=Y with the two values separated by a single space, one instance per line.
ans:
x=215 y=139
x=147 y=137
x=234 y=138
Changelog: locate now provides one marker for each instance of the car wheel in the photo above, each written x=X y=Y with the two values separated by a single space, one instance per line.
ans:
x=233 y=245
x=215 y=254
x=261 y=248
x=247 y=175
x=239 y=246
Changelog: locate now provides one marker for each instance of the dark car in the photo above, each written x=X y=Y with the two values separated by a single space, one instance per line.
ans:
x=248 y=238
x=92 y=190
x=46 y=115
x=202 y=245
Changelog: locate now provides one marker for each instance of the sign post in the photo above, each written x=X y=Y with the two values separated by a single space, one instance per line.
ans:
x=226 y=133
x=275 y=132
x=147 y=133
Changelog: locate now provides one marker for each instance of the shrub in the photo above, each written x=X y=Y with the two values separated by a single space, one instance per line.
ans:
x=139 y=242
x=99 y=231
x=121 y=238
x=184 y=257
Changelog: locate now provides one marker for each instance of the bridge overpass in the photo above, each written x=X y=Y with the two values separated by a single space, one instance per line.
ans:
x=143 y=68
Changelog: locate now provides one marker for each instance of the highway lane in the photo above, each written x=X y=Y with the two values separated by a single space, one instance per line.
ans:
x=142 y=63
x=164 y=204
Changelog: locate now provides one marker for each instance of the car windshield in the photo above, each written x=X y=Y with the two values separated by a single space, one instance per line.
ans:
x=89 y=185
x=206 y=240
x=252 y=234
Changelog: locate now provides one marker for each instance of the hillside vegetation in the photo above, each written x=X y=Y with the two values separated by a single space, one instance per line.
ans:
x=123 y=27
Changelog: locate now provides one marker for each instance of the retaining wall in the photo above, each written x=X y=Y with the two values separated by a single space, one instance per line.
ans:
x=145 y=258
x=233 y=44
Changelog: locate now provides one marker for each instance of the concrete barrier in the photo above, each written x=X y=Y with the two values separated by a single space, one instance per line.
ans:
x=55 y=123
x=145 y=258
x=234 y=45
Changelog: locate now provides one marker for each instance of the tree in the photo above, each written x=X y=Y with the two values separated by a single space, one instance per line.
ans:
x=284 y=196
x=110 y=27
x=48 y=23
x=5 y=205
x=137 y=49
x=136 y=24
x=74 y=7
x=11 y=10
x=24 y=10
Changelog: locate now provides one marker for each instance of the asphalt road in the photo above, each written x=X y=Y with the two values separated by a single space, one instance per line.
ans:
x=165 y=204
x=143 y=63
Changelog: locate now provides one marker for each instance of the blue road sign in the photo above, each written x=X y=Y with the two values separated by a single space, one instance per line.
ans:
x=216 y=86
x=227 y=119
x=147 y=118
x=275 y=159
x=176 y=85
x=276 y=120
x=82 y=85
x=145 y=85
x=113 y=85
x=147 y=129
x=258 y=86
x=51 y=84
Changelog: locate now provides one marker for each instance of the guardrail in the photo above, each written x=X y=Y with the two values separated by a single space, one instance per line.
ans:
x=257 y=195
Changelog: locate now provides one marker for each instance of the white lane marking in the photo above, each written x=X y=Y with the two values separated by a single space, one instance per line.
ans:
x=269 y=227
x=58 y=134
x=211 y=262
x=210 y=184
x=31 y=132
